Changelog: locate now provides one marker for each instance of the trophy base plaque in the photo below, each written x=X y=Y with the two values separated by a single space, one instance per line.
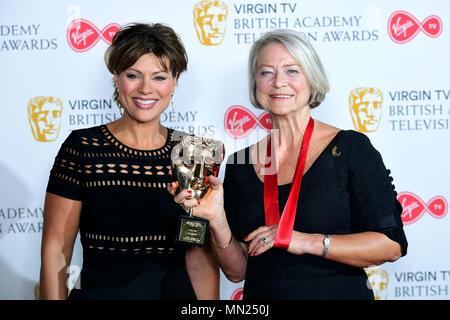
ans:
x=192 y=230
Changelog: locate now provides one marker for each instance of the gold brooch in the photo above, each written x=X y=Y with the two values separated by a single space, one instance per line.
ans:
x=334 y=152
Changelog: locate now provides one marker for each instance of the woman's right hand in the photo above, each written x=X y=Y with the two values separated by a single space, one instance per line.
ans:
x=210 y=207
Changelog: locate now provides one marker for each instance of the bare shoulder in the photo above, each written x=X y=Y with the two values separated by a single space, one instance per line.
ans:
x=324 y=131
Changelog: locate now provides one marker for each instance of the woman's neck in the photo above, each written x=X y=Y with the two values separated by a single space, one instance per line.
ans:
x=289 y=129
x=144 y=136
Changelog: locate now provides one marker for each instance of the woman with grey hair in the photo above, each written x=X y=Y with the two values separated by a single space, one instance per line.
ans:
x=339 y=210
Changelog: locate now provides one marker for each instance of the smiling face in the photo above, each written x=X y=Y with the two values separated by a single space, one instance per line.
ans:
x=145 y=88
x=281 y=87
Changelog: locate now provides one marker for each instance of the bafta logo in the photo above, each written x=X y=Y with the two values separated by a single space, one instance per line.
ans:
x=379 y=280
x=210 y=21
x=45 y=116
x=365 y=108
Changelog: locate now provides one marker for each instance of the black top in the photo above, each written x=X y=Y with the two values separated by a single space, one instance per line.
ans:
x=128 y=219
x=346 y=190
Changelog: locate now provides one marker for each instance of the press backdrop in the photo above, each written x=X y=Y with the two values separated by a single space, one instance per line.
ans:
x=388 y=66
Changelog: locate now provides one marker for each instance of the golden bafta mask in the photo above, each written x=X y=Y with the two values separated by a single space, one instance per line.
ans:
x=210 y=21
x=366 y=108
x=194 y=159
x=379 y=280
x=45 y=117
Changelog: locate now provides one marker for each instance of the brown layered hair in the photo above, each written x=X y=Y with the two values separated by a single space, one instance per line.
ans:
x=134 y=40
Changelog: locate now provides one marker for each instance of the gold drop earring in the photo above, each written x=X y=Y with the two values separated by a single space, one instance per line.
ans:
x=117 y=100
x=171 y=102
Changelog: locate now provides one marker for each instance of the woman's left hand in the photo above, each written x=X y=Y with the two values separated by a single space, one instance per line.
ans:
x=261 y=239
x=301 y=243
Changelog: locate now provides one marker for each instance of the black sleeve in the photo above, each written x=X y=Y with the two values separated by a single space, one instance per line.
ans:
x=65 y=175
x=373 y=198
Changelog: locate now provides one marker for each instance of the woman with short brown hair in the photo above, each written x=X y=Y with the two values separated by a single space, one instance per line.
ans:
x=109 y=182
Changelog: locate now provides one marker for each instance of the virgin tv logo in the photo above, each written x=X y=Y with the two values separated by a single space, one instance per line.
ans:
x=414 y=207
x=403 y=26
x=82 y=34
x=237 y=294
x=239 y=122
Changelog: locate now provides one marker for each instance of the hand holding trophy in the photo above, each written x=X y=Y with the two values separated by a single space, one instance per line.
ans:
x=194 y=159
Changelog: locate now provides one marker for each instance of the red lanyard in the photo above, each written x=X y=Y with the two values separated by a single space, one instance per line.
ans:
x=271 y=208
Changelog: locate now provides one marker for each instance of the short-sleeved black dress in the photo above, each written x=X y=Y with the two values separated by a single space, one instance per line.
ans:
x=346 y=190
x=128 y=219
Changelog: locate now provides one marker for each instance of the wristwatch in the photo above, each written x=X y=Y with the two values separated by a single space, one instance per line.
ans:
x=326 y=245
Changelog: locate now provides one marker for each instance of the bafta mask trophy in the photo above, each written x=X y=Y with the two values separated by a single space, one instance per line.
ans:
x=194 y=159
